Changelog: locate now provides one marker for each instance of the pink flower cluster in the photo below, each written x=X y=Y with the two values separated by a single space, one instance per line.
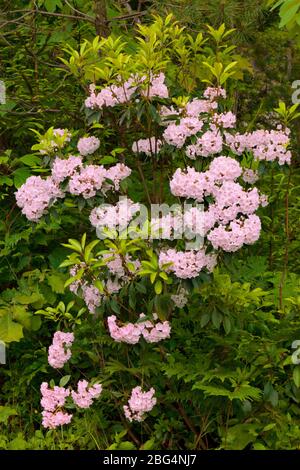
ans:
x=88 y=181
x=93 y=178
x=224 y=120
x=111 y=95
x=265 y=145
x=214 y=93
x=85 y=395
x=92 y=297
x=116 y=174
x=36 y=195
x=232 y=204
x=176 y=134
x=59 y=352
x=195 y=185
x=139 y=403
x=250 y=176
x=197 y=106
x=208 y=144
x=240 y=232
x=156 y=87
x=131 y=332
x=88 y=145
x=114 y=95
x=186 y=264
x=65 y=168
x=90 y=294
x=147 y=146
x=52 y=401
x=114 y=216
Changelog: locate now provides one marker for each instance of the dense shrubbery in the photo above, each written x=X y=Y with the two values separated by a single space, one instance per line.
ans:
x=206 y=330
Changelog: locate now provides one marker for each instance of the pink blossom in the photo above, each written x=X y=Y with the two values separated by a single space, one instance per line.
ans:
x=132 y=332
x=53 y=420
x=239 y=232
x=139 y=403
x=116 y=174
x=225 y=120
x=250 y=176
x=59 y=352
x=225 y=168
x=114 y=216
x=129 y=333
x=214 y=93
x=111 y=96
x=85 y=394
x=92 y=297
x=53 y=398
x=186 y=264
x=36 y=195
x=63 y=169
x=157 y=87
x=176 y=134
x=265 y=145
x=88 y=181
x=147 y=146
x=196 y=107
x=157 y=332
x=208 y=144
x=88 y=145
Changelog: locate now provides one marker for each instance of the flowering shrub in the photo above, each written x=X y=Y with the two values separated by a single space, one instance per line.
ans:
x=188 y=155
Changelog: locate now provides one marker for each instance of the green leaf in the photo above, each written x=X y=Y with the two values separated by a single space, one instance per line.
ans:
x=56 y=281
x=21 y=315
x=296 y=376
x=9 y=330
x=163 y=305
x=30 y=159
x=89 y=248
x=227 y=325
x=239 y=436
x=5 y=413
x=149 y=445
x=205 y=318
x=51 y=5
x=126 y=445
x=99 y=285
x=107 y=160
x=18 y=443
x=20 y=175
x=158 y=286
x=64 y=380
x=216 y=319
